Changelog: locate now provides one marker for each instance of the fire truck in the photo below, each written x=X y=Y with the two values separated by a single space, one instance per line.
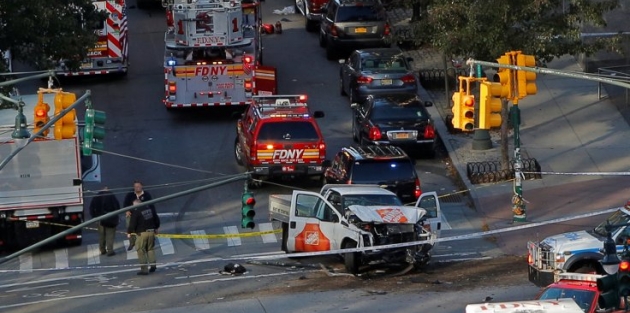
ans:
x=41 y=186
x=111 y=53
x=213 y=54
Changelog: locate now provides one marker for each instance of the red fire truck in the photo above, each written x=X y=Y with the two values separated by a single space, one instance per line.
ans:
x=213 y=54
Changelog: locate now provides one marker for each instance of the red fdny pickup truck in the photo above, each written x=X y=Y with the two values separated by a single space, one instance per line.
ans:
x=582 y=288
x=278 y=137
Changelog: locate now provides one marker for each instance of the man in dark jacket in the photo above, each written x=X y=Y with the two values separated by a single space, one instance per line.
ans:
x=145 y=222
x=138 y=193
x=105 y=202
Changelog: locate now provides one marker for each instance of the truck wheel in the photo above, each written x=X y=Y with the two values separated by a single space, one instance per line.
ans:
x=311 y=26
x=351 y=259
x=238 y=152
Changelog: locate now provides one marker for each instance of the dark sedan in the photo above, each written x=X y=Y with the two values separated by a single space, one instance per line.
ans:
x=400 y=120
x=378 y=71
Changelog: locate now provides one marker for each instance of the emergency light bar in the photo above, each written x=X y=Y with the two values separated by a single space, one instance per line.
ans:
x=281 y=101
x=579 y=276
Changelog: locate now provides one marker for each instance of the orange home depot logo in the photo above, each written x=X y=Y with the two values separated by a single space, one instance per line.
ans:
x=311 y=239
x=392 y=215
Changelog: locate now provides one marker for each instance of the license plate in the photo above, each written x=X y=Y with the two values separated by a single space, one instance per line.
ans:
x=386 y=81
x=86 y=65
x=32 y=224
x=401 y=136
x=289 y=168
x=360 y=30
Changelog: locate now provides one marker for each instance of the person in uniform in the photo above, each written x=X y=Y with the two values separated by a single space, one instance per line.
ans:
x=138 y=193
x=145 y=222
x=105 y=202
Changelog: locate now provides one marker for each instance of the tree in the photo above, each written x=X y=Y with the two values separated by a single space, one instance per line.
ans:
x=41 y=33
x=487 y=29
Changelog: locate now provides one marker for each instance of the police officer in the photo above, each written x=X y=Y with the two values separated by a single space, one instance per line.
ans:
x=145 y=222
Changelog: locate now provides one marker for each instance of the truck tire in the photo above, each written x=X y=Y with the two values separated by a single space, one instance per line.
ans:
x=351 y=259
x=238 y=153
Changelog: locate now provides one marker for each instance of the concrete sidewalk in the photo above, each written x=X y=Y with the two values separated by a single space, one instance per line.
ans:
x=567 y=129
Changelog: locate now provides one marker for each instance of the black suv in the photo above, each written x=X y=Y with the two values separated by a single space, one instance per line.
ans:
x=387 y=166
x=352 y=24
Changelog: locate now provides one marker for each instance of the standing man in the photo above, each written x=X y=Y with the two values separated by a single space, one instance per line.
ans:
x=104 y=202
x=138 y=193
x=145 y=222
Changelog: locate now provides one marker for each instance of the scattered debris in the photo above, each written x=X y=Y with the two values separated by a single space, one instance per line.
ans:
x=286 y=11
x=377 y=292
x=332 y=273
x=233 y=269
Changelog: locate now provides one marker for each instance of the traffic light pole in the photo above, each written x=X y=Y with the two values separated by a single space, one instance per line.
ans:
x=44 y=128
x=518 y=203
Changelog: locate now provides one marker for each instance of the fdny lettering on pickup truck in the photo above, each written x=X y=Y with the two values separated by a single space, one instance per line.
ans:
x=210 y=70
x=292 y=154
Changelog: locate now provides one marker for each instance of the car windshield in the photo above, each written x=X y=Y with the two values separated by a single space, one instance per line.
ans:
x=289 y=130
x=583 y=298
x=394 y=63
x=370 y=171
x=370 y=200
x=412 y=111
x=617 y=218
x=359 y=14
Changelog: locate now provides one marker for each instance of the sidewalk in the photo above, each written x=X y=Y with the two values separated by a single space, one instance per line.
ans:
x=567 y=130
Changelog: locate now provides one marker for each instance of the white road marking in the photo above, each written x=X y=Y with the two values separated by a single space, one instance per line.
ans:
x=36 y=287
x=26 y=262
x=166 y=245
x=61 y=258
x=232 y=241
x=200 y=243
x=93 y=254
x=131 y=255
x=267 y=238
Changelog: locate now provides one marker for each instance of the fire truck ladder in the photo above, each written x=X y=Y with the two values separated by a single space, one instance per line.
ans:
x=206 y=23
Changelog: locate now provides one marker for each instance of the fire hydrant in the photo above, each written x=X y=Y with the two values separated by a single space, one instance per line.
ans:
x=278 y=27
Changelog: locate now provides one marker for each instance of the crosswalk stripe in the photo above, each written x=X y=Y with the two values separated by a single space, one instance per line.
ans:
x=267 y=238
x=200 y=243
x=131 y=255
x=26 y=262
x=93 y=254
x=166 y=245
x=232 y=230
x=61 y=258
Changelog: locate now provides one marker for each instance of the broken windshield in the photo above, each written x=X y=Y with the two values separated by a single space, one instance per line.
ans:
x=617 y=218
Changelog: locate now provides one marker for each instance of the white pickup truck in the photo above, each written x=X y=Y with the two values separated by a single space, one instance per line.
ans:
x=312 y=223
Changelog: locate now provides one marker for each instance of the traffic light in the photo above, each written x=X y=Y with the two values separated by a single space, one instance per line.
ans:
x=66 y=126
x=248 y=213
x=490 y=103
x=623 y=278
x=40 y=113
x=505 y=76
x=464 y=106
x=608 y=292
x=526 y=81
x=93 y=132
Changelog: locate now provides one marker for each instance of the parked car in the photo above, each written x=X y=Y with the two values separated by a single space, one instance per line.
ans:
x=387 y=166
x=400 y=120
x=352 y=24
x=378 y=71
x=312 y=11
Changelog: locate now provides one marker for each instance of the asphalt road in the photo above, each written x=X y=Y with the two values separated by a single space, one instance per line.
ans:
x=171 y=151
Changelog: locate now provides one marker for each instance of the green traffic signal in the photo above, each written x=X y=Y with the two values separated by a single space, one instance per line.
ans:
x=247 y=211
x=94 y=131
x=608 y=292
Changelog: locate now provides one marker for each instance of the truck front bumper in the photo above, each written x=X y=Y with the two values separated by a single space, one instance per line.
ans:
x=540 y=278
x=289 y=170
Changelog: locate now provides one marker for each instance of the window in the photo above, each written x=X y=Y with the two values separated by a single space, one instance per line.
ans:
x=371 y=200
x=292 y=130
x=382 y=171
x=359 y=14
x=583 y=298
x=429 y=203
x=412 y=111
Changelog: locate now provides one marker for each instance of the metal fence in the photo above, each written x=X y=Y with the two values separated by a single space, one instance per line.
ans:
x=619 y=95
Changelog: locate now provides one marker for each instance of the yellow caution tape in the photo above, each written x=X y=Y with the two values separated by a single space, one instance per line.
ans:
x=218 y=236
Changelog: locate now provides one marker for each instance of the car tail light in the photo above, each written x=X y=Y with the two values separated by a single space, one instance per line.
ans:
x=172 y=88
x=333 y=30
x=387 y=30
x=248 y=85
x=429 y=132
x=418 y=192
x=408 y=79
x=530 y=258
x=322 y=151
x=375 y=133
x=364 y=80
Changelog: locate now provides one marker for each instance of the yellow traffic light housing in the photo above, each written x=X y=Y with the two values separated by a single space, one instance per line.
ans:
x=490 y=104
x=505 y=76
x=464 y=106
x=66 y=126
x=40 y=115
x=468 y=112
x=526 y=81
